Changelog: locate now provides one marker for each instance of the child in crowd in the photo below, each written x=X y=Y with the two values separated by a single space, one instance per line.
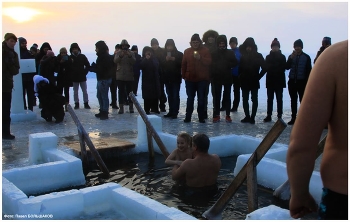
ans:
x=183 y=150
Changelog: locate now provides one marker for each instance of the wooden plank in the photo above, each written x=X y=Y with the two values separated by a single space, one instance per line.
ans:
x=252 y=185
x=214 y=213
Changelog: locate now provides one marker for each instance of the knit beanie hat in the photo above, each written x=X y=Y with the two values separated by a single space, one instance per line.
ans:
x=275 y=42
x=134 y=48
x=234 y=40
x=327 y=40
x=195 y=37
x=154 y=41
x=10 y=36
x=298 y=43
x=50 y=53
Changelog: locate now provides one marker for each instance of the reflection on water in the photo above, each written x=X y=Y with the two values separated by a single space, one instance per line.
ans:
x=153 y=179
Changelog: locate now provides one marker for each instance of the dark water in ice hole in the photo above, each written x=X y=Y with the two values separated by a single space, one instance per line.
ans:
x=153 y=179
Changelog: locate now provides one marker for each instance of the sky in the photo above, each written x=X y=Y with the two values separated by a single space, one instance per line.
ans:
x=62 y=23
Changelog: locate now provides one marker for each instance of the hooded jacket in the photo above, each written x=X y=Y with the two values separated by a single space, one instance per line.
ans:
x=250 y=65
x=41 y=54
x=223 y=60
x=80 y=65
x=10 y=67
x=206 y=35
x=125 y=64
x=104 y=63
x=194 y=70
x=172 y=69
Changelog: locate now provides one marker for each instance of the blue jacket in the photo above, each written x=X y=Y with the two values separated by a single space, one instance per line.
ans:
x=234 y=70
x=300 y=67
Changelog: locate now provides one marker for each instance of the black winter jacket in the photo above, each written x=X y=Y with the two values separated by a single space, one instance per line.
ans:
x=172 y=69
x=80 y=67
x=275 y=67
x=64 y=72
x=150 y=78
x=104 y=66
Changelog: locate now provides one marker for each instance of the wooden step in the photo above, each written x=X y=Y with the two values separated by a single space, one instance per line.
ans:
x=107 y=147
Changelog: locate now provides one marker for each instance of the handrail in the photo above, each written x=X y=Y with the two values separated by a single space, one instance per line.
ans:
x=149 y=126
x=214 y=213
x=84 y=137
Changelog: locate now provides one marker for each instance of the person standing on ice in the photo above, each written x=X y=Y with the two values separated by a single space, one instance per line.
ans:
x=299 y=64
x=136 y=69
x=275 y=79
x=325 y=102
x=249 y=76
x=113 y=87
x=104 y=67
x=10 y=67
x=223 y=60
x=80 y=68
x=195 y=71
x=125 y=60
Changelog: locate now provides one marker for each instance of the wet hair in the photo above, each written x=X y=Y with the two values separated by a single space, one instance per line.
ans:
x=202 y=142
x=187 y=137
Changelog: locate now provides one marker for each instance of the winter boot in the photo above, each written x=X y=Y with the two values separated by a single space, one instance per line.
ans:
x=131 y=107
x=76 y=106
x=104 y=115
x=98 y=115
x=121 y=109
x=86 y=105
x=268 y=118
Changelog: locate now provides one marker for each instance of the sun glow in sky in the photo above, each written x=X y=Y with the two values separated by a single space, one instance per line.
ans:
x=20 y=14
x=62 y=23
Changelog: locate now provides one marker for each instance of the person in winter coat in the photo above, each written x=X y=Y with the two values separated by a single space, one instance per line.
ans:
x=104 y=68
x=113 y=87
x=195 y=69
x=136 y=69
x=10 y=68
x=64 y=79
x=125 y=60
x=27 y=78
x=150 y=84
x=235 y=80
x=159 y=52
x=51 y=101
x=172 y=77
x=223 y=60
x=326 y=42
x=275 y=79
x=299 y=64
x=48 y=67
x=42 y=52
x=249 y=75
x=209 y=38
x=80 y=68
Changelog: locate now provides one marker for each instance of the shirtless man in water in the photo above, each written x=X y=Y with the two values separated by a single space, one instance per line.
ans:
x=325 y=101
x=201 y=171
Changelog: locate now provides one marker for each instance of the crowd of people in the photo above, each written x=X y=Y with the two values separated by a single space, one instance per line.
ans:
x=202 y=65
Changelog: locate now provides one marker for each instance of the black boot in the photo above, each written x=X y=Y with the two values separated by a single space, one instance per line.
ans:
x=246 y=119
x=131 y=107
x=76 y=106
x=104 y=115
x=268 y=118
x=86 y=106
x=98 y=115
x=291 y=122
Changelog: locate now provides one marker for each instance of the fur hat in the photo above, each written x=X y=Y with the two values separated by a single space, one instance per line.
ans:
x=134 y=47
x=275 y=42
x=298 y=43
x=195 y=37
x=234 y=40
x=50 y=53
x=74 y=45
x=124 y=42
x=210 y=33
x=154 y=41
x=10 y=36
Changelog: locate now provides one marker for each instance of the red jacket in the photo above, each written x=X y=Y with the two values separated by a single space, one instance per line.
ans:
x=196 y=70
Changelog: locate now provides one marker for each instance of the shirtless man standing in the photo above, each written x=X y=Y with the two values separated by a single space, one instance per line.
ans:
x=202 y=171
x=325 y=101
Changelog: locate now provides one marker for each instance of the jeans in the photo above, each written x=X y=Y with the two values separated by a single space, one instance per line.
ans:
x=296 y=88
x=83 y=87
x=191 y=89
x=226 y=101
x=173 y=91
x=279 y=98
x=254 y=98
x=102 y=94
